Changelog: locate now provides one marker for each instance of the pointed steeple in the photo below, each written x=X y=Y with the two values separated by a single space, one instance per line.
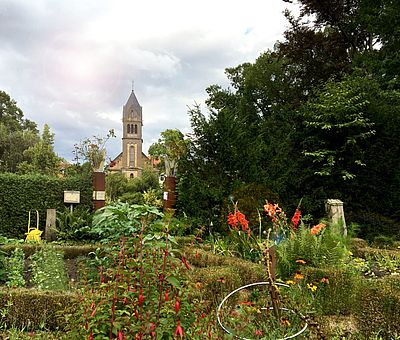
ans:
x=133 y=102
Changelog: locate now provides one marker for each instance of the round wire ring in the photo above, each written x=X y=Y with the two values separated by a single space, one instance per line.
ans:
x=251 y=285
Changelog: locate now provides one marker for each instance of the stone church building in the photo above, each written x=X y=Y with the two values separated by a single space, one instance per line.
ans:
x=132 y=159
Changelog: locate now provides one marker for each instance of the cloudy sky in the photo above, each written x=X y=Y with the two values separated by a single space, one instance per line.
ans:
x=70 y=64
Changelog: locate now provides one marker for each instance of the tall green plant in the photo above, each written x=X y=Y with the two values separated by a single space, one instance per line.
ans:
x=317 y=247
x=15 y=265
x=48 y=270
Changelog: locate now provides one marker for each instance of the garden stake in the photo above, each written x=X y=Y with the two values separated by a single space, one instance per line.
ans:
x=270 y=259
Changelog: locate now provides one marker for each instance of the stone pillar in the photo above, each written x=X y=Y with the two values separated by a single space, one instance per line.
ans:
x=99 y=190
x=50 y=228
x=335 y=212
x=169 y=193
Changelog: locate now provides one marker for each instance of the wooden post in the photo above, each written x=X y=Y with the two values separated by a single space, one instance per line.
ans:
x=169 y=193
x=99 y=190
x=50 y=228
x=270 y=259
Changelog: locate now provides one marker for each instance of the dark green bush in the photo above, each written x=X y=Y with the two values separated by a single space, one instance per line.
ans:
x=22 y=193
x=373 y=225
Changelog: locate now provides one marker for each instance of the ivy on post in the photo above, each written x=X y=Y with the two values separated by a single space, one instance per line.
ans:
x=169 y=149
x=93 y=151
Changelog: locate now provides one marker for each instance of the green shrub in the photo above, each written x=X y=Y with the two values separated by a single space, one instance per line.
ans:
x=70 y=252
x=337 y=295
x=15 y=269
x=48 y=270
x=22 y=193
x=34 y=309
x=72 y=225
x=377 y=307
x=327 y=248
x=373 y=225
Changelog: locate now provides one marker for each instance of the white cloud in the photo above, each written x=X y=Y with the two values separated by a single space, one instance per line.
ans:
x=70 y=63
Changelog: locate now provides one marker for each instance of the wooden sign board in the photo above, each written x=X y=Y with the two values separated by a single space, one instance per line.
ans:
x=72 y=196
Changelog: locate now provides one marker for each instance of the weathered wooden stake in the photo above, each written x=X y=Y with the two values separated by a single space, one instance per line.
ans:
x=50 y=228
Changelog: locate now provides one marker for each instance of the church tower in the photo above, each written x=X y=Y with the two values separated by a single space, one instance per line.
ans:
x=132 y=122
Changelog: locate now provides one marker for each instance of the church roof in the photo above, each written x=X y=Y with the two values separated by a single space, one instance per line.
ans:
x=132 y=101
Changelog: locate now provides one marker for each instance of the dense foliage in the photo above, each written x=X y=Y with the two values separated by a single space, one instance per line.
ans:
x=316 y=117
x=23 y=193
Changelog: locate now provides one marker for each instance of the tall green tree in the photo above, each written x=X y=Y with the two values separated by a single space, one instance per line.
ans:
x=41 y=157
x=16 y=134
x=169 y=148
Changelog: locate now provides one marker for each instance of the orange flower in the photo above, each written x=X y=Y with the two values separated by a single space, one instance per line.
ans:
x=232 y=220
x=242 y=220
x=296 y=218
x=298 y=276
x=301 y=262
x=317 y=228
x=325 y=280
x=285 y=322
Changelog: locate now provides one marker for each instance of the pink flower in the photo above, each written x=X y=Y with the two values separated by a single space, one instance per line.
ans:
x=177 y=305
x=179 y=330
x=166 y=295
x=141 y=298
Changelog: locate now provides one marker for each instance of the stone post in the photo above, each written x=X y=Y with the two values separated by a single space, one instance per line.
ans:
x=335 y=212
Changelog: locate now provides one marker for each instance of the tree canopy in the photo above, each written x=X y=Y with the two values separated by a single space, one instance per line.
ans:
x=317 y=117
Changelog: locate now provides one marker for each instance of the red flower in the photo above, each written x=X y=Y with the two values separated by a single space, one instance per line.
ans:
x=232 y=220
x=179 y=330
x=166 y=295
x=185 y=263
x=120 y=336
x=91 y=335
x=258 y=332
x=242 y=220
x=296 y=218
x=141 y=298
x=177 y=305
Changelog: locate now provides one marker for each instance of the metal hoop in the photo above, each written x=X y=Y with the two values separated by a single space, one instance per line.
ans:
x=251 y=285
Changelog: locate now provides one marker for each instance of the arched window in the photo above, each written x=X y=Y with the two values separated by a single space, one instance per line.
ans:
x=131 y=176
x=129 y=128
x=132 y=156
x=135 y=128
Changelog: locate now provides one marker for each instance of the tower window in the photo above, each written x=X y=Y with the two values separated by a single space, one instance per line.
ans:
x=132 y=156
x=135 y=128
x=129 y=128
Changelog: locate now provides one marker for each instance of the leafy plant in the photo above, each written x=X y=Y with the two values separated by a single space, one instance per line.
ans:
x=15 y=265
x=325 y=247
x=113 y=221
x=71 y=225
x=48 y=269
x=140 y=291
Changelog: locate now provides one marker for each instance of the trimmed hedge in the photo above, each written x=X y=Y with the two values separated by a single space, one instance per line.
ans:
x=378 y=307
x=21 y=193
x=70 y=252
x=32 y=309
